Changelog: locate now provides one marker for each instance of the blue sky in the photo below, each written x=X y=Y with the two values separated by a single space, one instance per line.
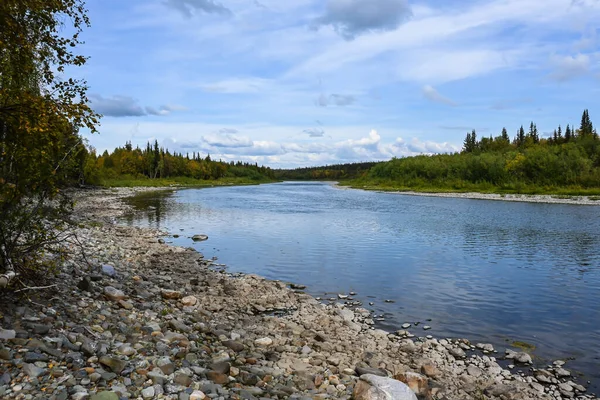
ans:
x=311 y=82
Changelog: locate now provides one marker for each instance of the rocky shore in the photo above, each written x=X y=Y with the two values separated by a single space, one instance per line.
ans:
x=129 y=316
x=527 y=198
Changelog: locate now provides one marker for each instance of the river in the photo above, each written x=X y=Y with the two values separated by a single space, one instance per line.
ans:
x=490 y=271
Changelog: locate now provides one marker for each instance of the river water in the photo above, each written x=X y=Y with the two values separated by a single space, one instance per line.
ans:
x=490 y=271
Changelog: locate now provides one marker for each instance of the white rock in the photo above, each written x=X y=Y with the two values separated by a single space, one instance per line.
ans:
x=197 y=395
x=148 y=393
x=372 y=387
x=264 y=342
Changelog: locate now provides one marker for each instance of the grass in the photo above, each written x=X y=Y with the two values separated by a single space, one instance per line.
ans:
x=523 y=345
x=129 y=181
x=562 y=192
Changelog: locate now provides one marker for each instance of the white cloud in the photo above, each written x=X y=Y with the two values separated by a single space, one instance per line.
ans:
x=237 y=85
x=433 y=95
x=188 y=7
x=227 y=140
x=354 y=17
x=570 y=67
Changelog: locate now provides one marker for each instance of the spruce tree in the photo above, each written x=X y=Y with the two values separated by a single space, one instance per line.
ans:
x=568 y=135
x=586 y=128
x=505 y=135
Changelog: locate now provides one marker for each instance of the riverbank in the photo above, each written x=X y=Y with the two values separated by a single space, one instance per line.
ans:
x=588 y=200
x=137 y=317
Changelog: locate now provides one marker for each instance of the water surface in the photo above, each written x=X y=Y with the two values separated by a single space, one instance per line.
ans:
x=489 y=271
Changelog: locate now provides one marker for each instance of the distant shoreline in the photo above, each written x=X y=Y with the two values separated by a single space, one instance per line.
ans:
x=525 y=198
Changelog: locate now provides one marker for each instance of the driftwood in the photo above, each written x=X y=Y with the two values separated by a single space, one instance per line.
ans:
x=7 y=278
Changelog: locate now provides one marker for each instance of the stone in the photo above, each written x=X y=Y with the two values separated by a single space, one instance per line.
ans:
x=170 y=294
x=5 y=354
x=197 y=395
x=264 y=342
x=148 y=393
x=372 y=387
x=199 y=238
x=105 y=396
x=189 y=301
x=430 y=370
x=519 y=357
x=114 y=294
x=125 y=304
x=406 y=325
x=485 y=347
x=166 y=365
x=562 y=373
x=157 y=377
x=297 y=287
x=109 y=270
x=416 y=382
x=370 y=371
x=217 y=377
x=347 y=315
x=221 y=367
x=33 y=371
x=474 y=371
x=114 y=364
x=182 y=379
x=457 y=352
x=234 y=345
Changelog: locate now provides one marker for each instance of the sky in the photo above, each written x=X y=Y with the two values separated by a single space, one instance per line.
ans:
x=293 y=83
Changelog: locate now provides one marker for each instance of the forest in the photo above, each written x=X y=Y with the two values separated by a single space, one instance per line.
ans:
x=155 y=166
x=566 y=162
x=327 y=172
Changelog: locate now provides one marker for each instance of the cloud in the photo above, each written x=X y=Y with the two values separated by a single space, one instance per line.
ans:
x=314 y=132
x=351 y=18
x=343 y=99
x=125 y=106
x=340 y=100
x=432 y=94
x=227 y=140
x=237 y=85
x=187 y=7
x=228 y=130
x=260 y=5
x=570 y=67
x=117 y=106
x=508 y=104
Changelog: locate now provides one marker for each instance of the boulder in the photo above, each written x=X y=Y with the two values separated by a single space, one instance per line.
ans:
x=372 y=387
x=199 y=238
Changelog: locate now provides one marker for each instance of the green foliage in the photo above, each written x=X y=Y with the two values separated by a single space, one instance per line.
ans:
x=154 y=166
x=528 y=165
x=328 y=172
x=40 y=115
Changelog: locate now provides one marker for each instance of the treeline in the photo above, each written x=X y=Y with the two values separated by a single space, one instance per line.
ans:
x=527 y=163
x=155 y=162
x=328 y=172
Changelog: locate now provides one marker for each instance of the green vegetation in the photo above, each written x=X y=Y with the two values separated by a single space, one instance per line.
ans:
x=528 y=347
x=41 y=112
x=328 y=172
x=155 y=166
x=562 y=165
